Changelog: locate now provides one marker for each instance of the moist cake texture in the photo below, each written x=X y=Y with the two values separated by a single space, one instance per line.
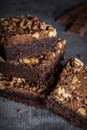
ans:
x=26 y=92
x=43 y=56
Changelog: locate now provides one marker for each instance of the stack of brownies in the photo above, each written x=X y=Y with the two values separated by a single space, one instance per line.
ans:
x=30 y=67
x=31 y=53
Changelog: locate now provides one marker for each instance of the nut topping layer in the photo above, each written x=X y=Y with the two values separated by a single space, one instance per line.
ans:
x=21 y=84
x=26 y=24
x=71 y=90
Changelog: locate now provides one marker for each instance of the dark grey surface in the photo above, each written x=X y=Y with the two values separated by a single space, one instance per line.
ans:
x=30 y=118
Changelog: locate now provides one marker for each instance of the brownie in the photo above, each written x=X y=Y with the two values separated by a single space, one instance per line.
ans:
x=31 y=52
x=17 y=32
x=30 y=48
x=20 y=90
x=69 y=97
x=43 y=56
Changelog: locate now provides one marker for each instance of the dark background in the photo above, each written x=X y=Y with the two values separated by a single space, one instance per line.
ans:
x=16 y=116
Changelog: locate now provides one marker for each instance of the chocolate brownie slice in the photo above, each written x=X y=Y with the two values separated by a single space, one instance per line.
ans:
x=31 y=49
x=69 y=97
x=17 y=32
x=43 y=56
x=23 y=91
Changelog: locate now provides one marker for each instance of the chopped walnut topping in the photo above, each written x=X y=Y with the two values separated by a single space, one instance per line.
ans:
x=1 y=59
x=86 y=101
x=78 y=62
x=2 y=87
x=82 y=111
x=30 y=60
x=42 y=87
x=36 y=35
x=26 y=60
x=62 y=95
x=43 y=26
x=60 y=91
x=71 y=89
x=54 y=55
x=24 y=25
x=52 y=33
x=74 y=80
x=60 y=44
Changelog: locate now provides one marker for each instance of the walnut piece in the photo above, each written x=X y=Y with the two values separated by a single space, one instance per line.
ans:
x=31 y=60
x=36 y=35
x=82 y=111
x=52 y=33
x=78 y=62
x=74 y=79
x=1 y=59
x=86 y=101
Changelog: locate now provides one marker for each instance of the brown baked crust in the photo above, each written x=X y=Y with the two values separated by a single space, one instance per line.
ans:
x=69 y=97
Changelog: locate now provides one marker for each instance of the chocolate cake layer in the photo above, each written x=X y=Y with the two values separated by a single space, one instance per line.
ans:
x=43 y=56
x=69 y=97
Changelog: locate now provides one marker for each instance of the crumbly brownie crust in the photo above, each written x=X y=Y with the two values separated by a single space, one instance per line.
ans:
x=25 y=24
x=69 y=97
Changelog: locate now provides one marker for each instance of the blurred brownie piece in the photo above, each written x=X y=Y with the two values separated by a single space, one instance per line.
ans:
x=69 y=97
x=79 y=26
x=77 y=19
x=71 y=15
